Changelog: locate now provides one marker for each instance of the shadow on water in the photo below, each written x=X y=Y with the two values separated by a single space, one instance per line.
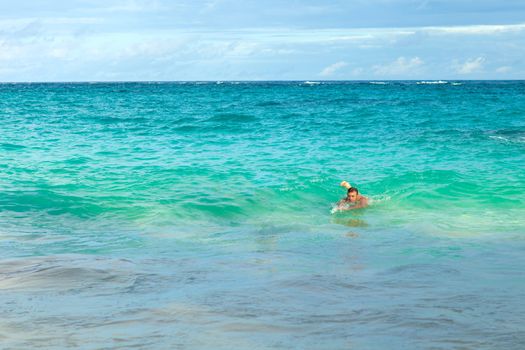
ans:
x=350 y=220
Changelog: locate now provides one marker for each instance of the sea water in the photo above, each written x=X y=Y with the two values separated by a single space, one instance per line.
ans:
x=199 y=215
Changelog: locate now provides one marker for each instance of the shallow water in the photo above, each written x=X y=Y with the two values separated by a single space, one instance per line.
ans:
x=197 y=215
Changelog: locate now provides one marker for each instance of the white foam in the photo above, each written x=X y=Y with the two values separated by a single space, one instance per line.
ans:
x=378 y=82
x=311 y=83
x=379 y=199
x=432 y=82
x=519 y=139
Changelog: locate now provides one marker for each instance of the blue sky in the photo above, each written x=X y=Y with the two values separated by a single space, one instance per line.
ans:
x=94 y=40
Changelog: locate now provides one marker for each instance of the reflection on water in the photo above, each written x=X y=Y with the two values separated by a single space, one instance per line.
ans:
x=350 y=222
x=352 y=234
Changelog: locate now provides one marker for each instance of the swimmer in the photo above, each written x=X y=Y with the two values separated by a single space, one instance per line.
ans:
x=353 y=199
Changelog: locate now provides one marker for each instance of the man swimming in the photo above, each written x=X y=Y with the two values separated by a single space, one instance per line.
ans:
x=353 y=199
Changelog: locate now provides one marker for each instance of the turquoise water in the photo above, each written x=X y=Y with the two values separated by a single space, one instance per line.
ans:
x=198 y=215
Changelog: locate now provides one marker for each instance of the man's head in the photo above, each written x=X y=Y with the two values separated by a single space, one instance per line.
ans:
x=351 y=194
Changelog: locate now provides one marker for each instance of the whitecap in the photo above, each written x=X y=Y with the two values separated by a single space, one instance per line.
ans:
x=379 y=199
x=432 y=82
x=507 y=139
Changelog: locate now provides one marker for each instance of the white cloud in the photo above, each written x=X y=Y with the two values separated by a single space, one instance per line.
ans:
x=503 y=69
x=71 y=48
x=331 y=69
x=471 y=65
x=357 y=71
x=476 y=29
x=400 y=66
x=134 y=6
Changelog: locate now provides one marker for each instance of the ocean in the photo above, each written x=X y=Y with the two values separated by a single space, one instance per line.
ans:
x=199 y=215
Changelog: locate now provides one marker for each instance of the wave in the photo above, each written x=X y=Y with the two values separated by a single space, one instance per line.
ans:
x=378 y=83
x=233 y=117
x=311 y=83
x=508 y=136
x=67 y=200
x=432 y=82
x=405 y=199
x=268 y=103
x=508 y=139
x=68 y=272
x=11 y=146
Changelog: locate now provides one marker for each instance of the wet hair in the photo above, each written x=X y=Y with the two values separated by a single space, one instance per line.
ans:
x=352 y=189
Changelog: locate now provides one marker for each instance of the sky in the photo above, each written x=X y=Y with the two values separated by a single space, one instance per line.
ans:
x=161 y=40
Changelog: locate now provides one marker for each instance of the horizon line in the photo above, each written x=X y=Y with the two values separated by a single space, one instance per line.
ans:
x=247 y=81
